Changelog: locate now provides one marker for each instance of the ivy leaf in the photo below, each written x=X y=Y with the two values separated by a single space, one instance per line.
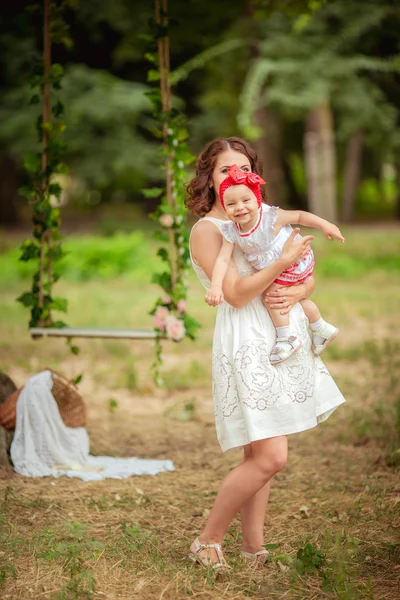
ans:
x=59 y=324
x=163 y=254
x=151 y=57
x=55 y=189
x=163 y=280
x=60 y=304
x=55 y=74
x=27 y=192
x=29 y=250
x=152 y=192
x=27 y=299
x=31 y=162
x=191 y=326
x=153 y=75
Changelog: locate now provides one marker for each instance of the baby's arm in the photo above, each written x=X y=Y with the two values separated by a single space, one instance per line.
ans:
x=300 y=217
x=214 y=296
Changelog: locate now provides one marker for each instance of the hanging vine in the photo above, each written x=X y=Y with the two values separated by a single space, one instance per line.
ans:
x=43 y=191
x=170 y=317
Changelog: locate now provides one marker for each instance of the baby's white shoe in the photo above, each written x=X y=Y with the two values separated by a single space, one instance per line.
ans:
x=328 y=334
x=284 y=348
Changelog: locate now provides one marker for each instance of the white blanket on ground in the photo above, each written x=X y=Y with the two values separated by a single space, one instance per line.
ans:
x=44 y=446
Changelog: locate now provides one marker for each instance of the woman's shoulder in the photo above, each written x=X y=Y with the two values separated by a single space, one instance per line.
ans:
x=207 y=226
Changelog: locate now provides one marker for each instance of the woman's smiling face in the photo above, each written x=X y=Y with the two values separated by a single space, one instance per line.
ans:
x=227 y=159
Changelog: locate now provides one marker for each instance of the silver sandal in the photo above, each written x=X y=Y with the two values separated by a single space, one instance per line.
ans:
x=256 y=557
x=279 y=354
x=205 y=561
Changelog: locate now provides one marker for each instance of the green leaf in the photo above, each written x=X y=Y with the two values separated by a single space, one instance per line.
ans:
x=27 y=299
x=77 y=379
x=29 y=250
x=151 y=57
x=60 y=304
x=55 y=189
x=153 y=75
x=163 y=254
x=31 y=162
x=152 y=192
x=75 y=350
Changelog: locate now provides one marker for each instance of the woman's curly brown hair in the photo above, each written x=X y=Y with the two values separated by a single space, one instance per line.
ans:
x=200 y=196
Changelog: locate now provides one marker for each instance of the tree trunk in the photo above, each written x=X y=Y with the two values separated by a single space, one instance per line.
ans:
x=8 y=192
x=397 y=205
x=320 y=158
x=268 y=147
x=352 y=173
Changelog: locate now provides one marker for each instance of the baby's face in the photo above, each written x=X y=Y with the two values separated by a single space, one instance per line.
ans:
x=241 y=205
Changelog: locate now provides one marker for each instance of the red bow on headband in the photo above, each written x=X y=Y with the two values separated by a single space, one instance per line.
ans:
x=239 y=176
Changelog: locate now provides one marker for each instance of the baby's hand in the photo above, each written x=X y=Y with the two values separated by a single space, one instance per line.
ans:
x=331 y=231
x=214 y=296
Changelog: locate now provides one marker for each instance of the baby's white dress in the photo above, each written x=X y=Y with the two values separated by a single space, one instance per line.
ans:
x=262 y=247
x=254 y=400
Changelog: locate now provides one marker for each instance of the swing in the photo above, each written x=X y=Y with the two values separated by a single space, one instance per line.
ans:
x=176 y=156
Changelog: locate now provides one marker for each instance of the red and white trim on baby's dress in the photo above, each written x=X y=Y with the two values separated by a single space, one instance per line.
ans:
x=292 y=278
x=256 y=226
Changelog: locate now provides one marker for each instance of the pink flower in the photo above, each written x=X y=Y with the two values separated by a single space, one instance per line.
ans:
x=160 y=317
x=158 y=323
x=166 y=220
x=162 y=312
x=166 y=300
x=175 y=328
x=181 y=306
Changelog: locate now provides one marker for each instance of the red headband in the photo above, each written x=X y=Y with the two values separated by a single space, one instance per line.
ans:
x=239 y=177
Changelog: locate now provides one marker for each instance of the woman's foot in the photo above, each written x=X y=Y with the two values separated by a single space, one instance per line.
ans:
x=284 y=348
x=260 y=557
x=208 y=555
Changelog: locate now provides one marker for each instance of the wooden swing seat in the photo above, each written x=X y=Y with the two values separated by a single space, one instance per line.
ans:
x=85 y=332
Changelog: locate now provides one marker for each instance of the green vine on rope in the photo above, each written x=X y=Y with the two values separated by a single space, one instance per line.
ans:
x=170 y=317
x=43 y=191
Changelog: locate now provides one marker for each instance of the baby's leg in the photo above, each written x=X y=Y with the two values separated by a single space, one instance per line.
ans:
x=275 y=313
x=323 y=333
x=287 y=343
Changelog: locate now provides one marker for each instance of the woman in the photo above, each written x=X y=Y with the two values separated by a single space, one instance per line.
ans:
x=256 y=404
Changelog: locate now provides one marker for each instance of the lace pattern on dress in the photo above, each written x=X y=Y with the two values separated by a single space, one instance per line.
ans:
x=251 y=378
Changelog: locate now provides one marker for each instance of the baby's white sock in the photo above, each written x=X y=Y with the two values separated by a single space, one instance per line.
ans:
x=317 y=326
x=284 y=332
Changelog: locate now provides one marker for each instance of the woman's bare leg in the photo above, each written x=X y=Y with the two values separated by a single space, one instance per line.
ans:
x=242 y=483
x=253 y=515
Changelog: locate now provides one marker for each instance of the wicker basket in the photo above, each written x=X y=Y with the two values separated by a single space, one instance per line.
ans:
x=8 y=410
x=7 y=387
x=70 y=404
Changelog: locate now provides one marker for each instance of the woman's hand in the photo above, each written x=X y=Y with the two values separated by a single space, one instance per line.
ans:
x=286 y=297
x=295 y=249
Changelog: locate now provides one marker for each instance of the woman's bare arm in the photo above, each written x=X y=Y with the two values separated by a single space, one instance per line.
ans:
x=206 y=242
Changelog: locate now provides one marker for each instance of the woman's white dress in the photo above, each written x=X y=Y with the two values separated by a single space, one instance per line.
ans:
x=254 y=400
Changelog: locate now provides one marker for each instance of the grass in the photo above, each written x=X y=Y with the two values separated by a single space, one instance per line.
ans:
x=332 y=523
